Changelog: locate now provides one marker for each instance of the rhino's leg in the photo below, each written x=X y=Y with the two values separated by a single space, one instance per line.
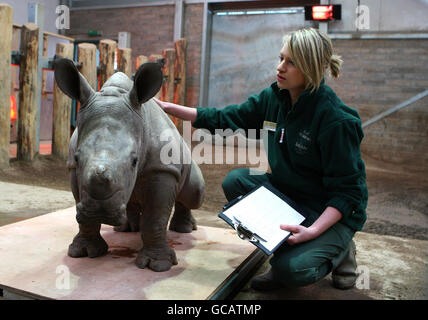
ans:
x=156 y=253
x=88 y=242
x=133 y=213
x=182 y=220
x=191 y=197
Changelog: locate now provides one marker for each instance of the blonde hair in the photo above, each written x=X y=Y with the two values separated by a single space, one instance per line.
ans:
x=311 y=51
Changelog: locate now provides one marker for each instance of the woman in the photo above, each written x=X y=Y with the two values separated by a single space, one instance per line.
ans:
x=314 y=155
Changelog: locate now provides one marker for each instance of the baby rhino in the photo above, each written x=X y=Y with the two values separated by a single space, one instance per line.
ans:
x=117 y=173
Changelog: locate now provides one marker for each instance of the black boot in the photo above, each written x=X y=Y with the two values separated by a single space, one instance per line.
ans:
x=265 y=282
x=345 y=274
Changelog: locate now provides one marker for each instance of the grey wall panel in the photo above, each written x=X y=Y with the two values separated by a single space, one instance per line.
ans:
x=244 y=54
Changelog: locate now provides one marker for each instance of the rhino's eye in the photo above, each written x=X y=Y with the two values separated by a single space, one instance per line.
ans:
x=134 y=161
x=76 y=157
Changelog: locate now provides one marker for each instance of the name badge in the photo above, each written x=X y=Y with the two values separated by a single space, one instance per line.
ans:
x=270 y=126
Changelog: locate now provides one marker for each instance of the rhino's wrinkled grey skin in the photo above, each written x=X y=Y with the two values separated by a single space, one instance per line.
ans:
x=117 y=176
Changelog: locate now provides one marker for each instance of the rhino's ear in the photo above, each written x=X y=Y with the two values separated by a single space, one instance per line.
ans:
x=147 y=82
x=71 y=81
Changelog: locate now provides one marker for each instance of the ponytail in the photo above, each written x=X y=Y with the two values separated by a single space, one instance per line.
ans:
x=335 y=64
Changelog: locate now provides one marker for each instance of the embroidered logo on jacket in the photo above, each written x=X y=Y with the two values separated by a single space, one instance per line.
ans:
x=303 y=142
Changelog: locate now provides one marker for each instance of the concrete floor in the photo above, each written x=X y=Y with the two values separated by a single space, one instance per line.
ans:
x=392 y=267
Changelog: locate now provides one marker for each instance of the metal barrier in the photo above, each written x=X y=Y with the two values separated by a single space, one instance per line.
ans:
x=395 y=109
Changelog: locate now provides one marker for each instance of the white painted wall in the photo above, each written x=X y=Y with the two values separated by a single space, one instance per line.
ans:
x=384 y=16
x=244 y=54
x=20 y=16
x=20 y=12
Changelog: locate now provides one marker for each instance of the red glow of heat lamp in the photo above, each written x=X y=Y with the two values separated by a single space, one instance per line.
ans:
x=322 y=12
x=13 y=112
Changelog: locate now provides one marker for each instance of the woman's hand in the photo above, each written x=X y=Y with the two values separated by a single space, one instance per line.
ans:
x=299 y=233
x=177 y=110
x=162 y=104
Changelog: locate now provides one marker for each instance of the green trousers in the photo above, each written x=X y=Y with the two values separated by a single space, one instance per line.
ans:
x=304 y=263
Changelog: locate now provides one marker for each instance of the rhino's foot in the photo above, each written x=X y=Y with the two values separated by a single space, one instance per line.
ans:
x=182 y=221
x=84 y=247
x=159 y=259
x=128 y=226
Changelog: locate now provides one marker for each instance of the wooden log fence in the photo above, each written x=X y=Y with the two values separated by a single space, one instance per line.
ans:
x=27 y=113
x=124 y=61
x=156 y=58
x=173 y=88
x=107 y=50
x=167 y=91
x=180 y=77
x=6 y=16
x=61 y=110
x=87 y=56
x=140 y=60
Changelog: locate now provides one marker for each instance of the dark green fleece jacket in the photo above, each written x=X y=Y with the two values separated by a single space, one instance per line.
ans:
x=313 y=147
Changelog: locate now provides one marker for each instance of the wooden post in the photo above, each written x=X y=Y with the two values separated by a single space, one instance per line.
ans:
x=107 y=52
x=156 y=58
x=45 y=53
x=16 y=35
x=139 y=61
x=168 y=72
x=87 y=53
x=61 y=110
x=124 y=61
x=6 y=16
x=29 y=86
x=180 y=77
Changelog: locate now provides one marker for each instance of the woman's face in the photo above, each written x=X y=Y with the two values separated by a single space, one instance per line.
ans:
x=288 y=76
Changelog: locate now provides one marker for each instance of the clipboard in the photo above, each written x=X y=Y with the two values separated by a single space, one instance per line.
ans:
x=268 y=246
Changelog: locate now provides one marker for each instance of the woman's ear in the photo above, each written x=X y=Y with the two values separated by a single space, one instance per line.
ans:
x=147 y=82
x=71 y=81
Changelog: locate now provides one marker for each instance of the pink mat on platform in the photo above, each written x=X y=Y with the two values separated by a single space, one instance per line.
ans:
x=34 y=262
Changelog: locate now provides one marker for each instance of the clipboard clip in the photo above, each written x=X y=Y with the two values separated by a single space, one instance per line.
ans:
x=231 y=203
x=246 y=234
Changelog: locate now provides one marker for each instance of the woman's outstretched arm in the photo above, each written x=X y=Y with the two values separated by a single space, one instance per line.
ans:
x=179 y=111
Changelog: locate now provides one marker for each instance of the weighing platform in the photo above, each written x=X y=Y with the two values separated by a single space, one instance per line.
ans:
x=213 y=263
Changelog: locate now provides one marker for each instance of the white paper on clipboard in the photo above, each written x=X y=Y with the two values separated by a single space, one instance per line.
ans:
x=262 y=212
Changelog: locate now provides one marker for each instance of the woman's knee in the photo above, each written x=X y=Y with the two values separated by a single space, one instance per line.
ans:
x=232 y=184
x=298 y=272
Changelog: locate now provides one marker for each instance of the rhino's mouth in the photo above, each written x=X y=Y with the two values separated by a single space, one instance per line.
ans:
x=87 y=215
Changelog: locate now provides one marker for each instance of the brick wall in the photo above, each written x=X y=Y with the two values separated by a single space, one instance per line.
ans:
x=193 y=20
x=376 y=76
x=152 y=30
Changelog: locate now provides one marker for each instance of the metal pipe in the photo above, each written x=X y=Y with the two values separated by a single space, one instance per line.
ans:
x=178 y=19
x=205 y=56
x=377 y=36
x=121 y=6
x=396 y=108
